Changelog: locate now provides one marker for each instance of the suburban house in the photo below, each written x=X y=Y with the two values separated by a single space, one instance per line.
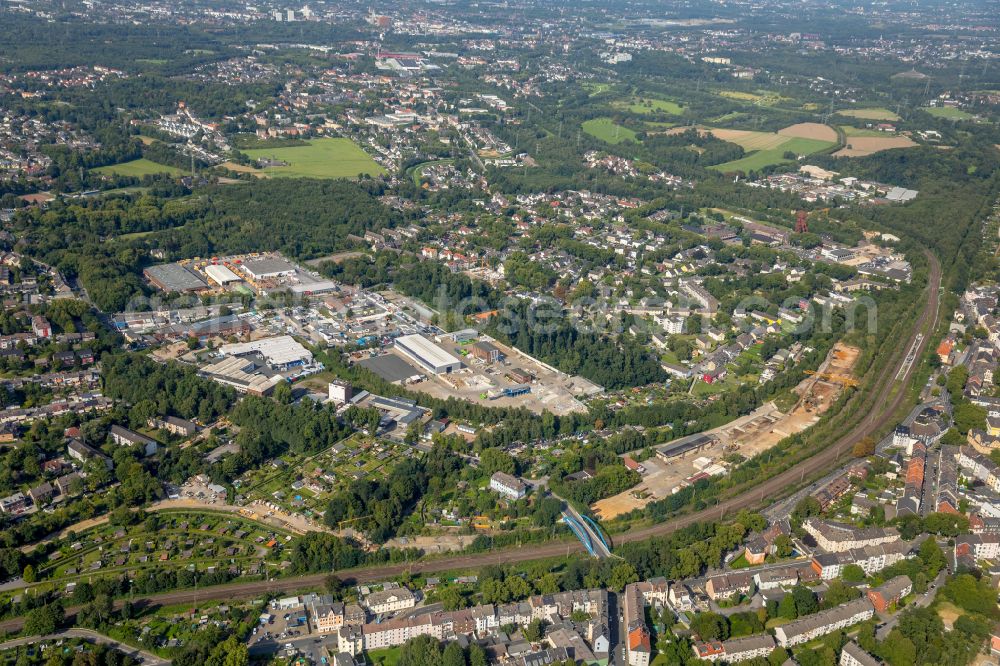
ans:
x=638 y=642
x=390 y=601
x=807 y=628
x=838 y=537
x=890 y=592
x=735 y=650
x=173 y=425
x=729 y=585
x=853 y=655
x=508 y=485
x=125 y=437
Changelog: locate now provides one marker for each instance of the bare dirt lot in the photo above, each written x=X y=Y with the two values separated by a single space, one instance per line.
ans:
x=748 y=435
x=433 y=544
x=810 y=131
x=860 y=146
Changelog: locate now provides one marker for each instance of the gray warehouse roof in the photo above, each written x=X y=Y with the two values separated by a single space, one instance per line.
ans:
x=174 y=277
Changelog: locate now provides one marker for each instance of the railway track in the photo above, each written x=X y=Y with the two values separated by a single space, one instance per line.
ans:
x=889 y=395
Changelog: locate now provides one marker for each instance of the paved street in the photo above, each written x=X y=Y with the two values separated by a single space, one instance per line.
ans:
x=92 y=636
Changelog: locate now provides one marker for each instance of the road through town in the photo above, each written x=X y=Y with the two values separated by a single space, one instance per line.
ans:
x=889 y=395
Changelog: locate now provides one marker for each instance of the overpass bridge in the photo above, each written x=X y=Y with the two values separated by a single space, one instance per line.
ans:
x=587 y=531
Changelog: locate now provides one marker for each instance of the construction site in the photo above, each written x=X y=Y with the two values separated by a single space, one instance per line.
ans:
x=747 y=436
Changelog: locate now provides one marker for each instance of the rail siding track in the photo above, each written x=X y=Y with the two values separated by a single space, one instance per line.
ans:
x=884 y=405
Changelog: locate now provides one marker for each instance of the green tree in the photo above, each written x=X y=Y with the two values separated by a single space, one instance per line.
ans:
x=621 y=575
x=44 y=619
x=453 y=655
x=710 y=626
x=477 y=656
x=805 y=601
x=420 y=651
x=494 y=460
x=852 y=573
x=898 y=650
x=786 y=607
x=535 y=630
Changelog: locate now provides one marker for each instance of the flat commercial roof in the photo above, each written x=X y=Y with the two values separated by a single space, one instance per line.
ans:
x=261 y=268
x=319 y=287
x=684 y=444
x=426 y=351
x=390 y=367
x=174 y=277
x=221 y=274
x=279 y=350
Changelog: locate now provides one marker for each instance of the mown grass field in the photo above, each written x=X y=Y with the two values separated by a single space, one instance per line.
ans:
x=857 y=131
x=606 y=130
x=322 y=158
x=137 y=169
x=654 y=105
x=949 y=112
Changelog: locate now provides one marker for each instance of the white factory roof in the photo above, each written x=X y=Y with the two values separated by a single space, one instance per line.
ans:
x=427 y=350
x=221 y=274
x=239 y=372
x=278 y=350
x=318 y=287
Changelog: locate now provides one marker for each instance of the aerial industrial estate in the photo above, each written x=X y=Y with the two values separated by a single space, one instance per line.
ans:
x=508 y=334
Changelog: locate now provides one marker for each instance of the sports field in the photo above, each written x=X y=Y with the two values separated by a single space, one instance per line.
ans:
x=322 y=158
x=767 y=148
x=949 y=112
x=877 y=113
x=605 y=129
x=137 y=169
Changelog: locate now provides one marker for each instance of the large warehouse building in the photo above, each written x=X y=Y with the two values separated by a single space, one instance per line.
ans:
x=174 y=277
x=221 y=275
x=430 y=357
x=268 y=267
x=281 y=352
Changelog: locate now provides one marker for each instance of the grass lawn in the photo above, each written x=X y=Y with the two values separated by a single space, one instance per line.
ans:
x=856 y=131
x=137 y=168
x=322 y=158
x=654 y=105
x=740 y=562
x=386 y=657
x=948 y=112
x=875 y=113
x=605 y=129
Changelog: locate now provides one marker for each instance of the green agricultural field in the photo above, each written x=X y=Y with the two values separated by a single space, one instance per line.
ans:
x=322 y=158
x=774 y=155
x=876 y=113
x=654 y=105
x=949 y=112
x=856 y=131
x=605 y=129
x=137 y=169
